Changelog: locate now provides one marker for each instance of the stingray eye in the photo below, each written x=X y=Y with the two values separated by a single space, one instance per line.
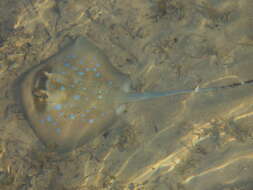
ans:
x=39 y=90
x=41 y=78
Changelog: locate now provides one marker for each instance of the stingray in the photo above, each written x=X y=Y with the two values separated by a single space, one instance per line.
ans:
x=75 y=95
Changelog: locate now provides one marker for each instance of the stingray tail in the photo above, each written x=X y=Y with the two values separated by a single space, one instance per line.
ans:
x=132 y=97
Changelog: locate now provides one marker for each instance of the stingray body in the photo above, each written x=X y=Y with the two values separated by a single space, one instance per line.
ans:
x=73 y=96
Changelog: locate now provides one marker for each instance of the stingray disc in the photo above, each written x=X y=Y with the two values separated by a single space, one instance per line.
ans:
x=70 y=98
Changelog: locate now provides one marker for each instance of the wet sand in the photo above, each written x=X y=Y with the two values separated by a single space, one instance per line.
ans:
x=196 y=141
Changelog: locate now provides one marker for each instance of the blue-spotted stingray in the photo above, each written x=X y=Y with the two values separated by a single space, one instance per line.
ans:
x=74 y=96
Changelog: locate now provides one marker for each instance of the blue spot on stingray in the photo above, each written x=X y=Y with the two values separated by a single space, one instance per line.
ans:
x=62 y=88
x=66 y=64
x=49 y=118
x=58 y=80
x=97 y=75
x=81 y=62
x=58 y=107
x=81 y=73
x=76 y=97
x=72 y=116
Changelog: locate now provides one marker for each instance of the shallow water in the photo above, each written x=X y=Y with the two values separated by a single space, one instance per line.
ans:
x=195 y=141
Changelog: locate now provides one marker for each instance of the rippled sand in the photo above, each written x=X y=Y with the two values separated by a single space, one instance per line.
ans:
x=197 y=141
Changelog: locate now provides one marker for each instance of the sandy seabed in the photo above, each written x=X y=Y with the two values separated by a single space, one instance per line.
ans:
x=195 y=141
